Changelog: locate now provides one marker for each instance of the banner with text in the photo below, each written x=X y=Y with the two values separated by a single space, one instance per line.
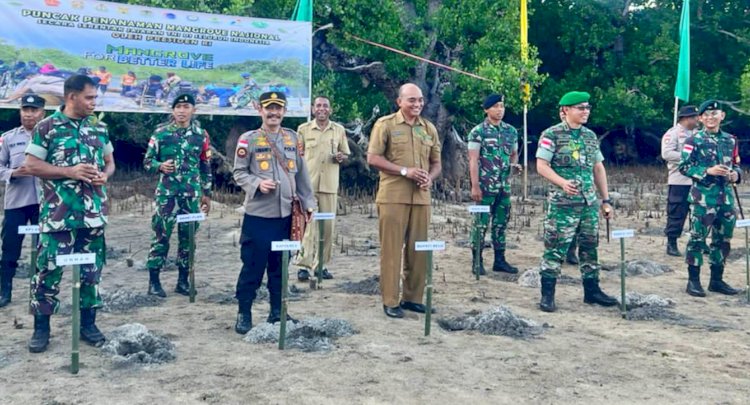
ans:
x=141 y=58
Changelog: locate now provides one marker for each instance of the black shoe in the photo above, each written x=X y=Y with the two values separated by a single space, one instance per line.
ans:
x=672 y=248
x=501 y=265
x=694 y=287
x=244 y=322
x=6 y=287
x=275 y=316
x=154 y=285
x=482 y=271
x=547 y=303
x=89 y=332
x=40 y=339
x=415 y=307
x=571 y=257
x=717 y=283
x=592 y=294
x=326 y=274
x=303 y=275
x=183 y=285
x=393 y=312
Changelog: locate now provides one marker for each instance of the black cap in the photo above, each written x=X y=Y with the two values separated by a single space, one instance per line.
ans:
x=183 y=98
x=708 y=105
x=272 y=97
x=688 y=111
x=32 y=100
x=491 y=100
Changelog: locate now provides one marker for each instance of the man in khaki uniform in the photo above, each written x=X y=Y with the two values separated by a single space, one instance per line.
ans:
x=406 y=149
x=324 y=146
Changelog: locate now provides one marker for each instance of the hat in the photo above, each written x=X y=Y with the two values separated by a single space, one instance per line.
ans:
x=272 y=97
x=32 y=100
x=688 y=111
x=183 y=98
x=491 y=100
x=708 y=105
x=574 y=97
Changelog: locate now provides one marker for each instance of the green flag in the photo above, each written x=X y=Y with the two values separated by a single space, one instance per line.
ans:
x=303 y=11
x=682 y=87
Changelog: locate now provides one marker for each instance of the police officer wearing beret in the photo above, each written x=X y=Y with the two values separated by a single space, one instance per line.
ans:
x=711 y=159
x=569 y=157
x=271 y=171
x=21 y=191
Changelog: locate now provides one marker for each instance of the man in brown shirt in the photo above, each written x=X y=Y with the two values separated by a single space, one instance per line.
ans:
x=406 y=149
x=325 y=147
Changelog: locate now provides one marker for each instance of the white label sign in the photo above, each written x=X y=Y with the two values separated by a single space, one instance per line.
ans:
x=198 y=216
x=623 y=233
x=74 y=259
x=429 y=245
x=28 y=229
x=286 y=245
x=479 y=209
x=743 y=223
x=324 y=216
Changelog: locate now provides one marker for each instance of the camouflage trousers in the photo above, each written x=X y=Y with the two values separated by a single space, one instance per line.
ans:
x=45 y=284
x=162 y=223
x=717 y=220
x=500 y=211
x=560 y=226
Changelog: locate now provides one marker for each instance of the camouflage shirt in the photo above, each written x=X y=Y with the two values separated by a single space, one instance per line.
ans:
x=190 y=149
x=60 y=141
x=701 y=152
x=572 y=154
x=496 y=144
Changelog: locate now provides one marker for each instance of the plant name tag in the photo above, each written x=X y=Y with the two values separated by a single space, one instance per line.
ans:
x=429 y=245
x=28 y=229
x=742 y=223
x=286 y=245
x=623 y=233
x=198 y=216
x=75 y=259
x=479 y=209
x=324 y=216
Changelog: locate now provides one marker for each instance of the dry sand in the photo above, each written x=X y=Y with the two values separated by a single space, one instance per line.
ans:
x=585 y=354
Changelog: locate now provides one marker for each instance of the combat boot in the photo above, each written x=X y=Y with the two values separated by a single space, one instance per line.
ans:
x=40 y=339
x=244 y=318
x=547 y=303
x=694 y=287
x=274 y=315
x=501 y=265
x=474 y=259
x=154 y=285
x=672 y=247
x=89 y=332
x=592 y=294
x=571 y=257
x=6 y=288
x=183 y=285
x=717 y=283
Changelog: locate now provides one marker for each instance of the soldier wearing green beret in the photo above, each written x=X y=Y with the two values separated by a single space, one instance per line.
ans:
x=711 y=159
x=180 y=151
x=569 y=157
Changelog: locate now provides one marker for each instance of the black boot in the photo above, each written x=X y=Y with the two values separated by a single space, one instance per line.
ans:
x=183 y=285
x=274 y=315
x=547 y=304
x=244 y=318
x=717 y=283
x=154 y=285
x=89 y=332
x=571 y=257
x=501 y=265
x=672 y=247
x=694 y=287
x=6 y=288
x=40 y=338
x=592 y=294
x=474 y=261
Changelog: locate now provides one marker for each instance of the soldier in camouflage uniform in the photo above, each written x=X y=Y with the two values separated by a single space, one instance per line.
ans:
x=493 y=150
x=180 y=152
x=711 y=159
x=569 y=157
x=72 y=154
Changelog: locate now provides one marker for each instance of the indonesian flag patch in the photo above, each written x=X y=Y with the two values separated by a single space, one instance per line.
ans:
x=687 y=149
x=546 y=143
x=242 y=148
x=151 y=142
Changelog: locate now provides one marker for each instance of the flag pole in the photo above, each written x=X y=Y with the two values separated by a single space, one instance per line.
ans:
x=526 y=96
x=676 y=105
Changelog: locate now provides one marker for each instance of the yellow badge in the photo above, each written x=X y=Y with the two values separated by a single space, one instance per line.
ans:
x=575 y=155
x=241 y=152
x=264 y=165
x=290 y=164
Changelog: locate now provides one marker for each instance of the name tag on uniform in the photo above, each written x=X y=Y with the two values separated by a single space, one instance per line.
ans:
x=28 y=229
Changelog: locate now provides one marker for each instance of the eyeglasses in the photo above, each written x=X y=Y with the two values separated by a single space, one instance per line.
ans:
x=582 y=107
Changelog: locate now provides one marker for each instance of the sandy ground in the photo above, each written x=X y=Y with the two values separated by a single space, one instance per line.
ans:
x=585 y=355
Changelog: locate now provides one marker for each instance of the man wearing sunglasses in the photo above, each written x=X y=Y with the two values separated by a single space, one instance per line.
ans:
x=711 y=160
x=569 y=157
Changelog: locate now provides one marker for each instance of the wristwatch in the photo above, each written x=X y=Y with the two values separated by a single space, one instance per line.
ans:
x=403 y=171
x=607 y=201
